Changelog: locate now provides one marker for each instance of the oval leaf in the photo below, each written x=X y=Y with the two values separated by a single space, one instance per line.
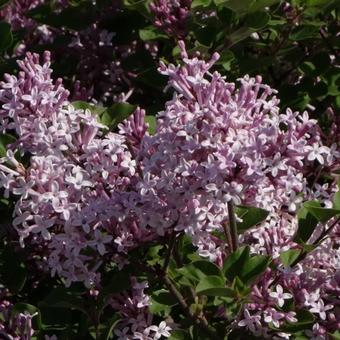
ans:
x=208 y=283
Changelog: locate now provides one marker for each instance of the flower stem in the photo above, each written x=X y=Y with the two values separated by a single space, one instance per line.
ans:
x=232 y=225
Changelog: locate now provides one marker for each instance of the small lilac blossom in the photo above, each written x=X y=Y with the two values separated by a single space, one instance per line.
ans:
x=320 y=308
x=251 y=322
x=280 y=296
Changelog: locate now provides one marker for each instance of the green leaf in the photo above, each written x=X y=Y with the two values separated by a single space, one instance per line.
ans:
x=152 y=121
x=206 y=268
x=151 y=33
x=200 y=3
x=116 y=113
x=179 y=334
x=30 y=309
x=305 y=32
x=240 y=34
x=335 y=335
x=5 y=139
x=336 y=198
x=95 y=109
x=140 y=6
x=251 y=216
x=257 y=20
x=163 y=297
x=289 y=256
x=321 y=214
x=208 y=283
x=226 y=15
x=254 y=266
x=240 y=7
x=240 y=287
x=235 y=262
x=219 y=291
x=306 y=226
x=226 y=58
x=6 y=37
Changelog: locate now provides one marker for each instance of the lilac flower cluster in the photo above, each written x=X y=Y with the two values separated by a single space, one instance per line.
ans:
x=136 y=322
x=171 y=16
x=14 y=326
x=313 y=284
x=216 y=143
x=67 y=192
x=89 y=196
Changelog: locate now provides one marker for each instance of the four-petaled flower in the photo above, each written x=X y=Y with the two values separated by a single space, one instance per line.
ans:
x=280 y=296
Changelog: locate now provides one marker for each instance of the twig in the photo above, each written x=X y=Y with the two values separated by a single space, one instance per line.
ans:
x=200 y=321
x=232 y=225
x=227 y=234
x=171 y=245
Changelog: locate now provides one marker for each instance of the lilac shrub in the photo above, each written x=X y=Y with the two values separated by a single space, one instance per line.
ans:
x=89 y=197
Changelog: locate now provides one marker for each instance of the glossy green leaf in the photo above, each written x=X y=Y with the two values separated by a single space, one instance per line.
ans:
x=305 y=32
x=306 y=226
x=163 y=297
x=335 y=335
x=235 y=262
x=200 y=3
x=152 y=121
x=218 y=291
x=336 y=199
x=226 y=15
x=151 y=33
x=320 y=213
x=206 y=268
x=288 y=257
x=253 y=267
x=240 y=7
x=95 y=109
x=250 y=216
x=240 y=287
x=117 y=113
x=240 y=34
x=5 y=139
x=257 y=20
x=208 y=283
